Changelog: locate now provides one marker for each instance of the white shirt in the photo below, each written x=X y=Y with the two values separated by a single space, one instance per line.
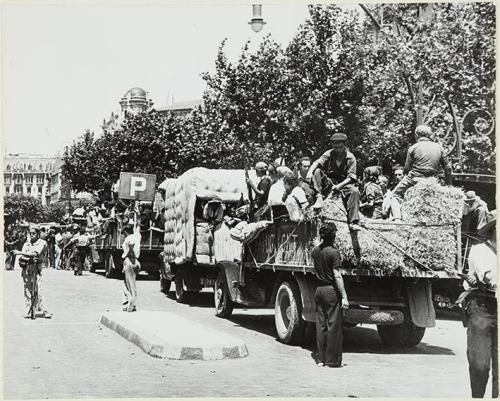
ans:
x=295 y=204
x=483 y=263
x=132 y=245
x=276 y=193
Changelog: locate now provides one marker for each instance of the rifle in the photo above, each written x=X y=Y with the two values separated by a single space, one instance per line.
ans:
x=250 y=195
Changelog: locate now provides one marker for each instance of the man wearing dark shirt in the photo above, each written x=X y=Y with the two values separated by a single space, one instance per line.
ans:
x=424 y=159
x=330 y=298
x=261 y=189
x=335 y=171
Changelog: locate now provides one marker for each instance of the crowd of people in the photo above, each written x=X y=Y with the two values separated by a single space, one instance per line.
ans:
x=377 y=196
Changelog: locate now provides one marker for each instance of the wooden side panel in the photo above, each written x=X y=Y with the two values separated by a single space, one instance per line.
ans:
x=287 y=243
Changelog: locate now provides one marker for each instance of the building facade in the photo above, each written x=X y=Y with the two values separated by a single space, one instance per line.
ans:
x=29 y=174
x=180 y=108
x=134 y=101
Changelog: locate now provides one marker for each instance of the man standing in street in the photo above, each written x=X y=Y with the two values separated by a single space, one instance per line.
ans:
x=31 y=263
x=330 y=299
x=335 y=171
x=82 y=250
x=424 y=159
x=480 y=304
x=131 y=250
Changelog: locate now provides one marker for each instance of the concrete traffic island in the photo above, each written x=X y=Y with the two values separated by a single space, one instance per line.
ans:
x=166 y=335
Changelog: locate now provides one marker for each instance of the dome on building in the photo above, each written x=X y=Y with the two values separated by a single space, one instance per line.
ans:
x=135 y=93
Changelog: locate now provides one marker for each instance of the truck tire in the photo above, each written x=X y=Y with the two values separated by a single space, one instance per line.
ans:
x=403 y=335
x=181 y=295
x=290 y=326
x=165 y=285
x=112 y=266
x=222 y=299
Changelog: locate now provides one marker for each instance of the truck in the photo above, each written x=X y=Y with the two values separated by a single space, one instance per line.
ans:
x=275 y=269
x=109 y=251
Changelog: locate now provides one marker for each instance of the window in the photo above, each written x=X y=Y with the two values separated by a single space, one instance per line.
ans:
x=8 y=167
x=18 y=189
x=39 y=179
x=7 y=180
x=40 y=191
x=40 y=167
x=29 y=167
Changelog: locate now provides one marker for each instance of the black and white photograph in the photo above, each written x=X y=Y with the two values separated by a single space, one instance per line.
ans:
x=249 y=200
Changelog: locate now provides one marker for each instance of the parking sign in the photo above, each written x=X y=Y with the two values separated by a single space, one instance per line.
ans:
x=137 y=186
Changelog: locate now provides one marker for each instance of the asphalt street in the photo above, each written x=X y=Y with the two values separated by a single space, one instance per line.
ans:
x=72 y=356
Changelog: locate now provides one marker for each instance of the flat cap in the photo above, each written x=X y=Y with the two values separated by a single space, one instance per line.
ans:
x=338 y=136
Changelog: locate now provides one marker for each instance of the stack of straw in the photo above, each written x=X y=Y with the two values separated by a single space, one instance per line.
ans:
x=425 y=240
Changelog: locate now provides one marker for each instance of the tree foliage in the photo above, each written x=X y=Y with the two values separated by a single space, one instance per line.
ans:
x=24 y=207
x=338 y=73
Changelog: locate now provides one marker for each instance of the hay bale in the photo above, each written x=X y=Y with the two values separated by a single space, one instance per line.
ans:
x=430 y=213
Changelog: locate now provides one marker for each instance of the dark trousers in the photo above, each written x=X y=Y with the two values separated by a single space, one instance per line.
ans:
x=80 y=256
x=329 y=334
x=52 y=255
x=482 y=345
x=349 y=194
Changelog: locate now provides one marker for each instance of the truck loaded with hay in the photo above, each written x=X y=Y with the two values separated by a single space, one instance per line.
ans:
x=390 y=269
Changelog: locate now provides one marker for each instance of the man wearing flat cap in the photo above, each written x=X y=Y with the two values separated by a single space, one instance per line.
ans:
x=474 y=213
x=335 y=171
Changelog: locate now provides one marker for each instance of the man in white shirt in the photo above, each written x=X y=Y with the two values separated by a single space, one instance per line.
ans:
x=277 y=190
x=31 y=263
x=481 y=310
x=296 y=200
x=131 y=251
x=82 y=249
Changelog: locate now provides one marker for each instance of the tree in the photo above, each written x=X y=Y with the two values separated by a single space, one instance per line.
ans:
x=145 y=143
x=23 y=207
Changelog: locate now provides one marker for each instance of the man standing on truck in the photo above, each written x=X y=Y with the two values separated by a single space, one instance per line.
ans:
x=423 y=159
x=335 y=171
x=262 y=188
x=330 y=298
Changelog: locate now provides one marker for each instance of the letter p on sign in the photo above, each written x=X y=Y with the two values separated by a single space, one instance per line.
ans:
x=137 y=186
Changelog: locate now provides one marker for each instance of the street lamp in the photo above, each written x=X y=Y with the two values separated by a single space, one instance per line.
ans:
x=257 y=23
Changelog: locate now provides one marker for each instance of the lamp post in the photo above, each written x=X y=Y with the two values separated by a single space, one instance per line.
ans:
x=257 y=22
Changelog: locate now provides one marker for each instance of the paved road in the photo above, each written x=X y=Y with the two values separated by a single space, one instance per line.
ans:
x=72 y=356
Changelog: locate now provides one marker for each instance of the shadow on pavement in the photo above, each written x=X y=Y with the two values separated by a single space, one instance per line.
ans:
x=356 y=339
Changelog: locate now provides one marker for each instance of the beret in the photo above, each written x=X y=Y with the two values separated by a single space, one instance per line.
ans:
x=339 y=136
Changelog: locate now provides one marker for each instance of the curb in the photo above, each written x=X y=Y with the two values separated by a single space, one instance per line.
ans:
x=157 y=347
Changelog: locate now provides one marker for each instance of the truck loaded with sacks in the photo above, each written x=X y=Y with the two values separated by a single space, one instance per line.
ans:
x=391 y=270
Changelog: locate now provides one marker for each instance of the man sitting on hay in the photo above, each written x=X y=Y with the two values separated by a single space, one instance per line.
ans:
x=335 y=172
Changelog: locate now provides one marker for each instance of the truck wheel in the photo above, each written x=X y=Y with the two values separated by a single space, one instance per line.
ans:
x=222 y=298
x=288 y=313
x=111 y=267
x=403 y=335
x=165 y=285
x=181 y=295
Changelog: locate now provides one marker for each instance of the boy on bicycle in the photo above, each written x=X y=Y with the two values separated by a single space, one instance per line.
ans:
x=31 y=262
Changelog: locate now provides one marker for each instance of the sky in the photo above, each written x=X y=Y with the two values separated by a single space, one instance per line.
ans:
x=65 y=67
